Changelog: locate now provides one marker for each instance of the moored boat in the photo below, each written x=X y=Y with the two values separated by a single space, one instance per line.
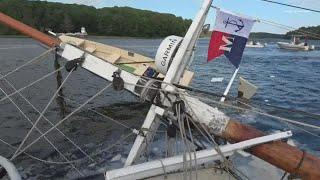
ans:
x=296 y=45
x=254 y=44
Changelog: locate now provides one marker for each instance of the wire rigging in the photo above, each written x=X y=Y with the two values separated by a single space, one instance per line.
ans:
x=46 y=119
x=41 y=115
x=293 y=6
x=35 y=127
x=281 y=26
x=64 y=119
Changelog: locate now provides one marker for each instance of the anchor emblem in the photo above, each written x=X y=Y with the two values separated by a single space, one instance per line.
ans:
x=239 y=24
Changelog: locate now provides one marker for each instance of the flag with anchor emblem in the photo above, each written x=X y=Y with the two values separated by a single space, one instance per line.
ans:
x=229 y=37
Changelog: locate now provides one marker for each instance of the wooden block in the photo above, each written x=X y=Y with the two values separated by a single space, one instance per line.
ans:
x=141 y=69
x=186 y=78
x=113 y=58
x=71 y=40
x=90 y=49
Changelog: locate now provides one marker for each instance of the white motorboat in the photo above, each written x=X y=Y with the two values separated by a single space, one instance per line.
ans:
x=296 y=45
x=254 y=44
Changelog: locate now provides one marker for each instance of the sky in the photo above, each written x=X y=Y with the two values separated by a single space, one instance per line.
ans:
x=253 y=8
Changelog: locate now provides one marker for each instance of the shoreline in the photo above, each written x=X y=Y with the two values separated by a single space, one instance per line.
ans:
x=126 y=37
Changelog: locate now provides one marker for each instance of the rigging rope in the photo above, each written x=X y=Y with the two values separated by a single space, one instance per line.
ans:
x=41 y=114
x=71 y=161
x=72 y=142
x=227 y=164
x=276 y=117
x=281 y=26
x=262 y=113
x=293 y=6
x=103 y=115
x=31 y=84
x=194 y=150
x=40 y=57
x=290 y=28
x=64 y=119
x=34 y=125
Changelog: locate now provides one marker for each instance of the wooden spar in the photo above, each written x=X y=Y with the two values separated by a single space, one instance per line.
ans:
x=278 y=153
x=28 y=31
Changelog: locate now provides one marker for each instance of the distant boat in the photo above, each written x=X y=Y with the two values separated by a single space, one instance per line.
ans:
x=80 y=34
x=254 y=44
x=296 y=45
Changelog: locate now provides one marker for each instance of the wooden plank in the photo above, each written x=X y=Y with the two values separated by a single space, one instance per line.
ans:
x=186 y=78
x=90 y=49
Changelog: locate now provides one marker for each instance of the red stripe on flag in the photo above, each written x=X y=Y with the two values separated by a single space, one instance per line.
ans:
x=215 y=43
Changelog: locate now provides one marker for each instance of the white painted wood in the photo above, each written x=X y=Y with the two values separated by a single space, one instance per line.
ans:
x=71 y=52
x=229 y=85
x=149 y=126
x=172 y=164
x=100 y=67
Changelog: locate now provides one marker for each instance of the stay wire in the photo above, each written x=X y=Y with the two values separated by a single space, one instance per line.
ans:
x=96 y=112
x=64 y=119
x=40 y=57
x=266 y=114
x=281 y=26
x=42 y=114
x=34 y=125
x=287 y=123
x=262 y=113
x=65 y=136
x=31 y=84
x=293 y=6
x=192 y=89
x=71 y=161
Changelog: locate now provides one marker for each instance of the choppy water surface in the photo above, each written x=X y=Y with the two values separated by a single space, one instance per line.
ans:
x=285 y=78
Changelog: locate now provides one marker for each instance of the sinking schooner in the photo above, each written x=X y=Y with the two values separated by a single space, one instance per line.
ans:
x=162 y=81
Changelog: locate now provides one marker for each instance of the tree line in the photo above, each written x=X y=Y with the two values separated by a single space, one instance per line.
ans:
x=108 y=21
x=312 y=32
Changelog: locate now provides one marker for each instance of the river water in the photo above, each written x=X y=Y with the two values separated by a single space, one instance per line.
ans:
x=284 y=78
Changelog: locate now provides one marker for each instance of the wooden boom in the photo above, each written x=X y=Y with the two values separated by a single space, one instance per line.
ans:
x=28 y=31
x=280 y=154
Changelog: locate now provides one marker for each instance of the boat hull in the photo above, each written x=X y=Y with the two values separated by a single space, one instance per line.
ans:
x=294 y=47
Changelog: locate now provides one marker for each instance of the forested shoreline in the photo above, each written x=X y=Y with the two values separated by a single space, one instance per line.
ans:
x=109 y=21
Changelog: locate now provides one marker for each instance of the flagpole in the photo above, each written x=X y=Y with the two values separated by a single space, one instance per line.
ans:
x=229 y=85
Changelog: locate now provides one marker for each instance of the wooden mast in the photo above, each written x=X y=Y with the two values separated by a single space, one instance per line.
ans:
x=28 y=31
x=280 y=154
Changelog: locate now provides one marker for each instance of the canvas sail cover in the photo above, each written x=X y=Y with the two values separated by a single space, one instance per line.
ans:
x=229 y=37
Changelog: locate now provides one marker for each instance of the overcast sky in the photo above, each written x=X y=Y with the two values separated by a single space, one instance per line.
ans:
x=255 y=8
